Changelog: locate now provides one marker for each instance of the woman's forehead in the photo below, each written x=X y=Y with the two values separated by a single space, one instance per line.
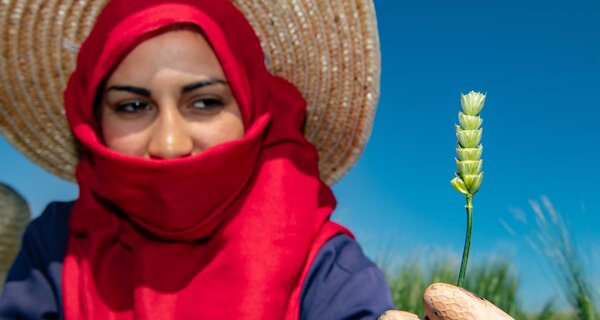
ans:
x=183 y=51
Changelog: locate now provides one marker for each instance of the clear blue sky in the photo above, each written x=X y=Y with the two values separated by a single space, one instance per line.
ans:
x=539 y=63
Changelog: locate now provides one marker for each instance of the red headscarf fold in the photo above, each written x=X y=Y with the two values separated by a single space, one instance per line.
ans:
x=230 y=232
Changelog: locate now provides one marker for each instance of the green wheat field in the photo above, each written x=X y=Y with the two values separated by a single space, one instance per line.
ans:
x=496 y=281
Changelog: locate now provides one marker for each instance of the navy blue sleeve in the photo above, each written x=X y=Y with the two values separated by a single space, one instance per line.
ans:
x=344 y=284
x=32 y=287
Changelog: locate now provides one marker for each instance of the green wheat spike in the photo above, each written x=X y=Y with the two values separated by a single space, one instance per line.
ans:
x=469 y=164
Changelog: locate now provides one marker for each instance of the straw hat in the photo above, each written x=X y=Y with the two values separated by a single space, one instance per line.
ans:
x=14 y=216
x=328 y=49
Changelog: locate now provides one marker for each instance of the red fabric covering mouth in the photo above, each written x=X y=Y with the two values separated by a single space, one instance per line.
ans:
x=231 y=231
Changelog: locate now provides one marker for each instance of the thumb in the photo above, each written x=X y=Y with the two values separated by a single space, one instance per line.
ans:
x=443 y=301
x=398 y=315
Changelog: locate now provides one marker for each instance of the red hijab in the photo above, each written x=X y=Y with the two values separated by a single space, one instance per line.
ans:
x=230 y=232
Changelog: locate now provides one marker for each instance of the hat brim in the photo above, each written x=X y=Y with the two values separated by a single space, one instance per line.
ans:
x=328 y=49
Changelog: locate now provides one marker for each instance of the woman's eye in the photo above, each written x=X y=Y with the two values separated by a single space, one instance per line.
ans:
x=132 y=107
x=207 y=104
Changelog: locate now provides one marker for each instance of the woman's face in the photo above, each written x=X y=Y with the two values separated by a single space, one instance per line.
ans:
x=169 y=99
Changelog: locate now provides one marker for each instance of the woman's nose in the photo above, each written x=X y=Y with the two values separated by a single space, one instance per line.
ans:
x=169 y=138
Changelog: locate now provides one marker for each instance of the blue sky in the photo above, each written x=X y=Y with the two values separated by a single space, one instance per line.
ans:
x=539 y=63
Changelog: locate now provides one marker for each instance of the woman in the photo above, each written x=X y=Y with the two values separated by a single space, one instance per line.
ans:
x=199 y=194
x=200 y=197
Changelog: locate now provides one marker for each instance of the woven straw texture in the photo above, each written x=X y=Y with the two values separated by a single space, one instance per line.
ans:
x=14 y=216
x=328 y=49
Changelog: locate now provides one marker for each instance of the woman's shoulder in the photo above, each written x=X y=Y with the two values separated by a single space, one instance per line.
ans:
x=45 y=238
x=343 y=252
x=50 y=230
x=343 y=283
x=32 y=287
x=55 y=214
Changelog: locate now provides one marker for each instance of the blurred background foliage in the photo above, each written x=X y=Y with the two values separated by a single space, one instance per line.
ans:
x=496 y=280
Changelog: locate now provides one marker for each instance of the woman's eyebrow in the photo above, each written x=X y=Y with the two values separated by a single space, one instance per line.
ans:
x=203 y=83
x=137 y=90
x=146 y=93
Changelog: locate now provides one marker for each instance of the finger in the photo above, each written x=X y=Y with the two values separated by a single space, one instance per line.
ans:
x=398 y=315
x=443 y=301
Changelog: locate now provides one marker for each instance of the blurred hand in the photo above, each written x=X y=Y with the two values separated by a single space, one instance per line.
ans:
x=443 y=301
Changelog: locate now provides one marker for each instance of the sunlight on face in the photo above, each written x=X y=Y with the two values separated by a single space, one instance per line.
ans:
x=169 y=99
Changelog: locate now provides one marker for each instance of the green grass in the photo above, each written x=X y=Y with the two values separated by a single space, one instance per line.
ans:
x=493 y=280
x=496 y=281
x=555 y=243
